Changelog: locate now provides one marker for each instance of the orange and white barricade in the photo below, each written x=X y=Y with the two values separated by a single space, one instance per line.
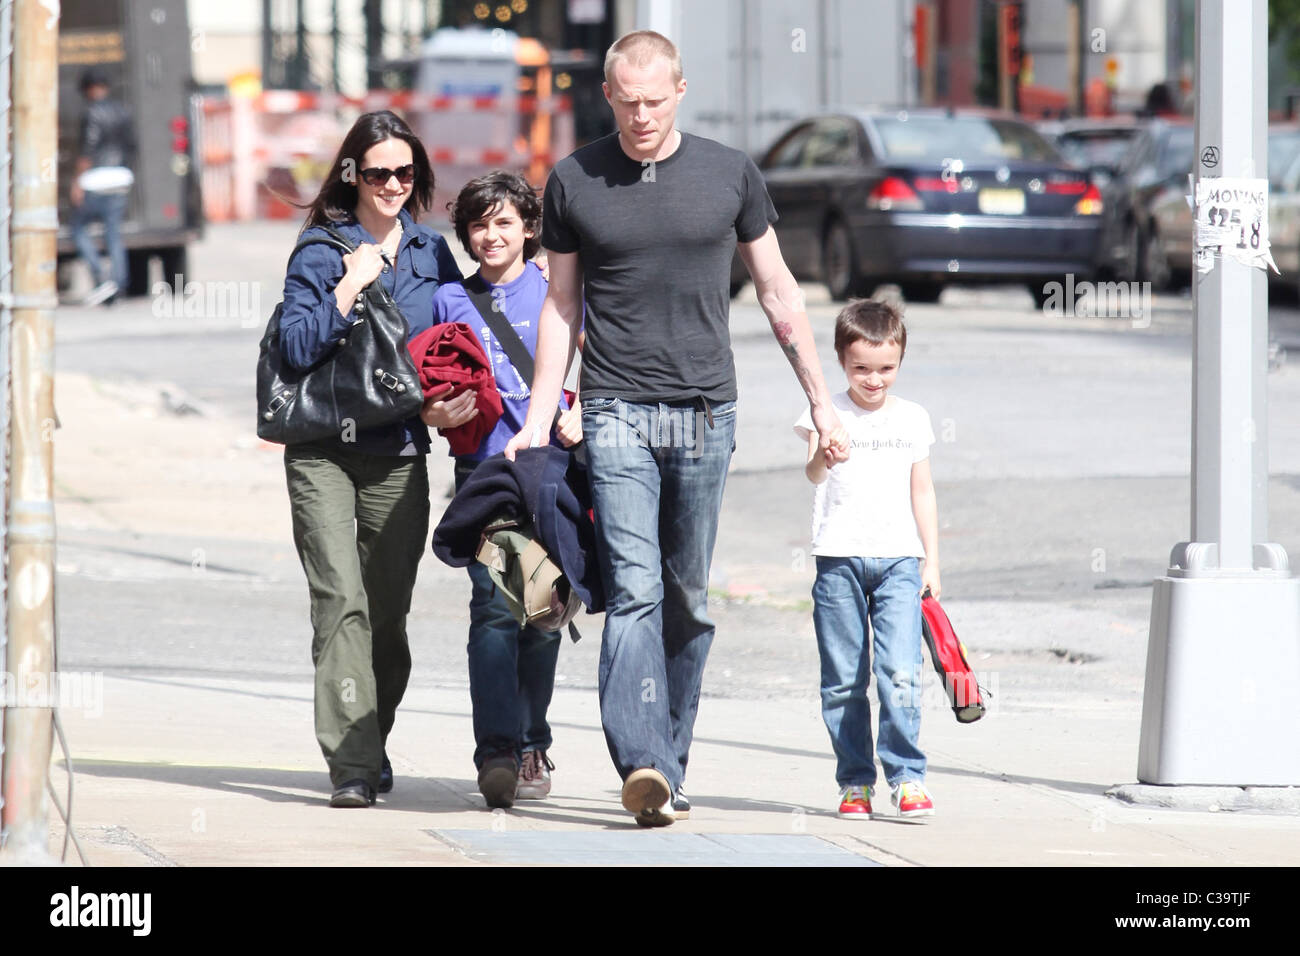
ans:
x=263 y=152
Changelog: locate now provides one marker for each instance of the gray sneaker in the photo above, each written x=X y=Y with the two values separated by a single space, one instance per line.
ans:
x=681 y=806
x=534 y=776
x=101 y=293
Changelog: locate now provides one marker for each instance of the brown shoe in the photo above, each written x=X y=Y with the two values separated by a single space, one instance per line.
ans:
x=646 y=794
x=498 y=778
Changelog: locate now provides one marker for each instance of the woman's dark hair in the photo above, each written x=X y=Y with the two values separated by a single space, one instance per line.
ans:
x=871 y=321
x=337 y=198
x=482 y=197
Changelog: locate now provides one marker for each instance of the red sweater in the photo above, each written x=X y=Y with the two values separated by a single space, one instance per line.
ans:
x=450 y=354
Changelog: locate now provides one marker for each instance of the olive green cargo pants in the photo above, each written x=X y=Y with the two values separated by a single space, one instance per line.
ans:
x=360 y=523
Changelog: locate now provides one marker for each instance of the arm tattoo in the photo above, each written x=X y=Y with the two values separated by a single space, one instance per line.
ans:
x=785 y=335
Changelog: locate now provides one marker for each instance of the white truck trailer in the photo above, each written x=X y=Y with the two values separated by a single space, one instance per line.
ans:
x=753 y=67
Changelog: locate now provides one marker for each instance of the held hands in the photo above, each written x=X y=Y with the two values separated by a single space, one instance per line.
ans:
x=833 y=436
x=451 y=412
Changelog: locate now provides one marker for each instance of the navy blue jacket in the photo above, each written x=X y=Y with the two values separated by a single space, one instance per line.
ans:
x=311 y=322
x=540 y=485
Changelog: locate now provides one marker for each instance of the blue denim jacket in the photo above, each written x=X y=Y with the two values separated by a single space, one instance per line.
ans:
x=311 y=320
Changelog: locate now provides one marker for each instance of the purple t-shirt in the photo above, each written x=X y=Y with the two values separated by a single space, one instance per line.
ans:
x=521 y=304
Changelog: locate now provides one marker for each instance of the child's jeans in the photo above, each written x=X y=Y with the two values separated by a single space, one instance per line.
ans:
x=511 y=668
x=846 y=593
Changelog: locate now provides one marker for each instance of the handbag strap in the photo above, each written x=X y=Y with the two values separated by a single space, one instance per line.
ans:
x=478 y=292
x=335 y=240
x=344 y=245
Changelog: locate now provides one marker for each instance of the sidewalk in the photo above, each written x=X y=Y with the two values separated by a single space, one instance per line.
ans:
x=210 y=770
x=201 y=772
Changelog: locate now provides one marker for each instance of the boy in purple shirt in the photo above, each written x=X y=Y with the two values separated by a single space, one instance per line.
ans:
x=511 y=668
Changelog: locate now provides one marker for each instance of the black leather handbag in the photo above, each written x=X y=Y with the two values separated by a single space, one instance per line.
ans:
x=366 y=379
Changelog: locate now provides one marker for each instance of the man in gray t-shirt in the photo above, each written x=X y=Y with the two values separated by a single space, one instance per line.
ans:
x=643 y=225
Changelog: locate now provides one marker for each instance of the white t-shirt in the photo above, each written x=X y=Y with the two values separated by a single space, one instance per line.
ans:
x=864 y=507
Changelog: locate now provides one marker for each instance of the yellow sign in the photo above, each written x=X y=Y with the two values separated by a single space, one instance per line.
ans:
x=86 y=47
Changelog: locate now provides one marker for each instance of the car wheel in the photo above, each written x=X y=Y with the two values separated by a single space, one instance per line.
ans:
x=921 y=291
x=137 y=264
x=1130 y=266
x=1155 y=261
x=840 y=262
x=174 y=261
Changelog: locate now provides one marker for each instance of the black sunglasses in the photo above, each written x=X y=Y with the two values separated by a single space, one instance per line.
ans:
x=379 y=175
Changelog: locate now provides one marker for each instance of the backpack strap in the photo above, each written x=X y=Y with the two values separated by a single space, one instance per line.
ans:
x=478 y=292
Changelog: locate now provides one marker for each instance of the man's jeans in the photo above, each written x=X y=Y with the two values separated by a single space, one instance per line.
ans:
x=657 y=473
x=110 y=209
x=511 y=668
x=846 y=593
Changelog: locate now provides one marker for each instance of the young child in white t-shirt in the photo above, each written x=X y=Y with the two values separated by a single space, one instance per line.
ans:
x=874 y=516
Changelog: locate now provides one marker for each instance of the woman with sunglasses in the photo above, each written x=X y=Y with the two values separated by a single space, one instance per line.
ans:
x=360 y=502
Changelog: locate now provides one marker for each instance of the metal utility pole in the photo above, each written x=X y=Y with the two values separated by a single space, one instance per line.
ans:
x=1073 y=57
x=29 y=728
x=268 y=45
x=374 y=11
x=1223 y=658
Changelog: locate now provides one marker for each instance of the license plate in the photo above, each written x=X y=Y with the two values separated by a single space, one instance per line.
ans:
x=1002 y=202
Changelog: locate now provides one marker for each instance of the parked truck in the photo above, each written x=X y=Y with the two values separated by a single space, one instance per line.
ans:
x=144 y=51
x=752 y=69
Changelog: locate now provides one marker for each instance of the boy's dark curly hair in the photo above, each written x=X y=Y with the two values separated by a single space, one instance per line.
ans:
x=872 y=321
x=481 y=197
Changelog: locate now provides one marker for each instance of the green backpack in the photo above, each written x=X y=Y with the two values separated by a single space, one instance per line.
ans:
x=533 y=585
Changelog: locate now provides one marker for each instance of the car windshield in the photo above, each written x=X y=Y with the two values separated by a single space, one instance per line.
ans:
x=1176 y=154
x=1282 y=148
x=968 y=138
x=1095 y=147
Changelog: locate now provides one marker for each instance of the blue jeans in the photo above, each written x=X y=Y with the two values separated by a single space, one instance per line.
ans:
x=511 y=669
x=657 y=473
x=846 y=593
x=110 y=209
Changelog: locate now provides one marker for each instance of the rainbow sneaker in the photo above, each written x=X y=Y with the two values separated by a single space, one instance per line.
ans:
x=855 y=802
x=912 y=800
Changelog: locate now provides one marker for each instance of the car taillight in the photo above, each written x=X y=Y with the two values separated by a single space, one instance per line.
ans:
x=1071 y=188
x=180 y=144
x=1090 y=204
x=935 y=184
x=179 y=125
x=893 y=193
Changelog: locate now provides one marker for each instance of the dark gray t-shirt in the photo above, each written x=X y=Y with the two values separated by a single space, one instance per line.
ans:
x=656 y=243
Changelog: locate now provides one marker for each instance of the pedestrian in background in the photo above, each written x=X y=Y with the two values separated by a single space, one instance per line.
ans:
x=360 y=503
x=643 y=224
x=101 y=186
x=874 y=516
x=497 y=218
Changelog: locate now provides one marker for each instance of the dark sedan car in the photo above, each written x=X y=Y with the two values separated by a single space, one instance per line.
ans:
x=927 y=198
x=1157 y=162
x=1096 y=144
